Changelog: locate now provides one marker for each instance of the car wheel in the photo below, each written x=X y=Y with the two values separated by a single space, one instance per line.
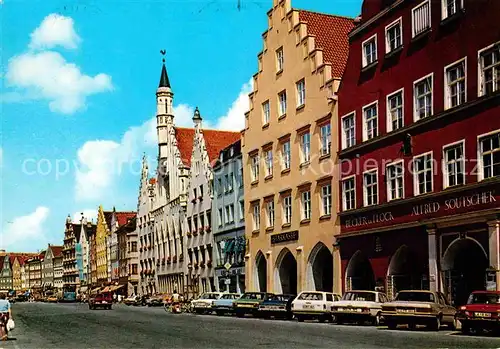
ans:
x=412 y=326
x=453 y=325
x=435 y=324
x=219 y=312
x=466 y=329
x=239 y=314
x=300 y=318
x=339 y=320
x=392 y=325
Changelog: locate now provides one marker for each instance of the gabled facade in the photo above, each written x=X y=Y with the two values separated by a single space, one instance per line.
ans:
x=128 y=257
x=6 y=282
x=102 y=232
x=48 y=269
x=289 y=146
x=16 y=272
x=71 y=281
x=419 y=148
x=228 y=220
x=199 y=238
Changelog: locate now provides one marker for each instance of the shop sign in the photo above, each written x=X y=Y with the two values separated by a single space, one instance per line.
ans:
x=230 y=272
x=285 y=237
x=454 y=203
x=366 y=220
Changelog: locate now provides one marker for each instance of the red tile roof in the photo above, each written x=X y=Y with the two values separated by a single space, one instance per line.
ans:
x=330 y=33
x=56 y=250
x=20 y=256
x=124 y=217
x=215 y=141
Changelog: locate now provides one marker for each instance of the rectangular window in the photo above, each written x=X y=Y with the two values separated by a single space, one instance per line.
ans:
x=422 y=166
x=393 y=37
x=451 y=7
x=455 y=85
x=370 y=114
x=326 y=200
x=270 y=213
x=301 y=93
x=326 y=139
x=395 y=118
x=241 y=173
x=454 y=165
x=306 y=205
x=370 y=188
x=370 y=51
x=221 y=218
x=423 y=98
x=220 y=189
x=348 y=131
x=226 y=183
x=256 y=216
x=287 y=209
x=230 y=182
x=268 y=154
x=305 y=146
x=255 y=167
x=266 y=112
x=242 y=210
x=285 y=155
x=134 y=269
x=230 y=213
x=202 y=220
x=395 y=181
x=280 y=59
x=489 y=148
x=282 y=103
x=490 y=70
x=194 y=194
x=421 y=18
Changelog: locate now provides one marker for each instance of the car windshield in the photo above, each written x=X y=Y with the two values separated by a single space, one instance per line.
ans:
x=279 y=297
x=228 y=296
x=415 y=296
x=311 y=296
x=257 y=296
x=484 y=298
x=359 y=296
x=209 y=296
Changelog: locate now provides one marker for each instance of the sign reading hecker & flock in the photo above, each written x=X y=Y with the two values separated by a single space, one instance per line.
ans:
x=443 y=205
x=285 y=237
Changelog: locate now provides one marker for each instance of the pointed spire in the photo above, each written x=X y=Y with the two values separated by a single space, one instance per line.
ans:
x=197 y=116
x=164 y=81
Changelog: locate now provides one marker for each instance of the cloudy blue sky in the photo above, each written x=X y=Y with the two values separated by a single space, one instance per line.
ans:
x=77 y=93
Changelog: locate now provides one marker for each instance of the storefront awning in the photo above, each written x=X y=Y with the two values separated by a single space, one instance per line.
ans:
x=114 y=288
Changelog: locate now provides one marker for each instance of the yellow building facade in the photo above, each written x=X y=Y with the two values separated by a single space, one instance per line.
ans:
x=102 y=232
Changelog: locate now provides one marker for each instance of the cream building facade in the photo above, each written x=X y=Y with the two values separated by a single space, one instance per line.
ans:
x=289 y=153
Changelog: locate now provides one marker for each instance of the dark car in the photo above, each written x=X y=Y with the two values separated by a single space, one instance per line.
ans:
x=481 y=312
x=277 y=306
x=102 y=300
x=249 y=303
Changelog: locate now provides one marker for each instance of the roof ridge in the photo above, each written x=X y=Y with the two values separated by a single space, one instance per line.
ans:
x=204 y=129
x=324 y=14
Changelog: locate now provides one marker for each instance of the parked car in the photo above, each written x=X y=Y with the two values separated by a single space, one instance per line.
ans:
x=155 y=301
x=204 y=303
x=314 y=305
x=419 y=308
x=359 y=307
x=133 y=300
x=52 y=299
x=101 y=300
x=277 y=306
x=482 y=312
x=224 y=304
x=249 y=303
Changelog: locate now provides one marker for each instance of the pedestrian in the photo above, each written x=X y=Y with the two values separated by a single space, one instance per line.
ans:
x=5 y=315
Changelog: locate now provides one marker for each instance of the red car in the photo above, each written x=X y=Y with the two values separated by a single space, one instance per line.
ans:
x=482 y=312
x=101 y=300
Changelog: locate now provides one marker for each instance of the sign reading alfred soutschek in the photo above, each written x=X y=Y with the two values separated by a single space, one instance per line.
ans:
x=284 y=237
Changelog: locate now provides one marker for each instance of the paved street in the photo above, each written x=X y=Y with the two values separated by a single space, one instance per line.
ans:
x=42 y=325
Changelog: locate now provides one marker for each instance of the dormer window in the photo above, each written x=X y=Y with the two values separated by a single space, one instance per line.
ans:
x=393 y=36
x=370 y=51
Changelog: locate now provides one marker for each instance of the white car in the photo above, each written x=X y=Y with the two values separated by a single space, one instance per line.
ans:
x=359 y=307
x=314 y=305
x=205 y=302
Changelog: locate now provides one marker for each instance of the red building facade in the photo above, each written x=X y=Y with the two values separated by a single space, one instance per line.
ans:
x=419 y=117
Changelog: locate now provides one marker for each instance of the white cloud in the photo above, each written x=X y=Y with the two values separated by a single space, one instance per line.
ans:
x=234 y=120
x=90 y=214
x=55 y=30
x=48 y=75
x=21 y=229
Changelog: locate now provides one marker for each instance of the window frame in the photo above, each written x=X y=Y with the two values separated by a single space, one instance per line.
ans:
x=398 y=22
x=343 y=135
x=416 y=183
x=322 y=200
x=388 y=179
x=305 y=151
x=365 y=188
x=286 y=157
x=480 y=173
x=242 y=209
x=344 y=201
x=300 y=94
x=444 y=8
x=447 y=104
x=329 y=143
x=365 y=129
x=364 y=60
x=266 y=113
x=255 y=167
x=270 y=213
x=268 y=162
x=256 y=216
x=388 y=110
x=481 y=91
x=305 y=205
x=413 y=10
x=414 y=96
x=281 y=111
x=286 y=206
x=280 y=59
x=444 y=170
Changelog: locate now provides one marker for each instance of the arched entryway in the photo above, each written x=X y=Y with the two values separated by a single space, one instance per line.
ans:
x=404 y=272
x=286 y=273
x=464 y=267
x=359 y=273
x=261 y=272
x=320 y=269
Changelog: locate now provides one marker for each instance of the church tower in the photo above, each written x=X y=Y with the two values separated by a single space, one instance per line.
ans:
x=164 y=111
